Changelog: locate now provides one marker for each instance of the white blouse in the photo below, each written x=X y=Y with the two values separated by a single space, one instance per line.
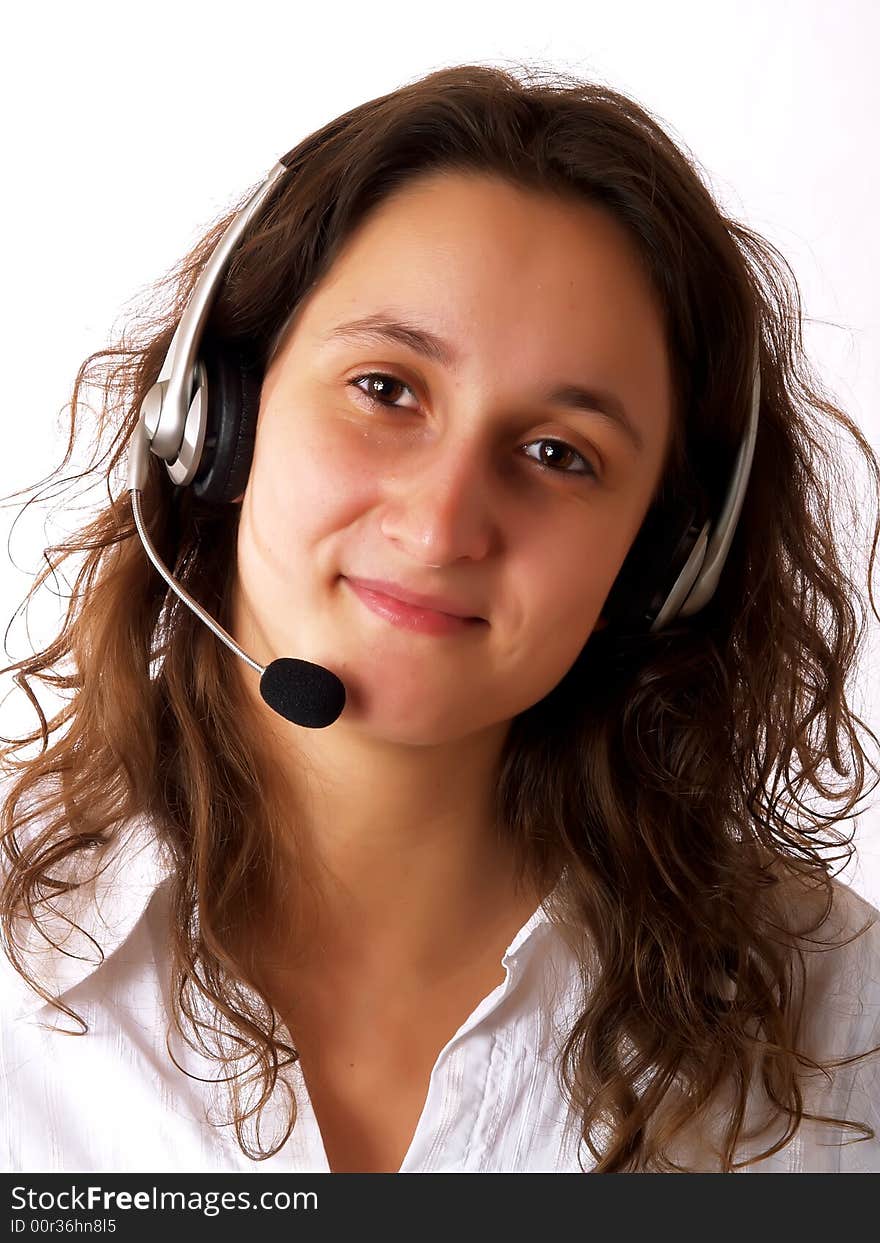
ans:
x=112 y=1100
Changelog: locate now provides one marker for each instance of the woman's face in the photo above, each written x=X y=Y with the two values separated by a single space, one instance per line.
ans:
x=476 y=480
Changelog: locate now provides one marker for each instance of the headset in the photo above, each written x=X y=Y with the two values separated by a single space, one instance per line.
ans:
x=200 y=418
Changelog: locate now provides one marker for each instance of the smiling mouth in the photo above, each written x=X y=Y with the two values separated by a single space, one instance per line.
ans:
x=412 y=617
x=417 y=600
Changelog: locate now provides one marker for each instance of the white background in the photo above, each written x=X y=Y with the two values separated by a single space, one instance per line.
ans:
x=130 y=128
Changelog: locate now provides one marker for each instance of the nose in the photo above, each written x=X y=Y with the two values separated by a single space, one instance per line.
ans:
x=437 y=506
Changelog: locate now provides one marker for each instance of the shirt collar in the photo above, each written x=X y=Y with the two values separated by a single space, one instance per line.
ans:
x=525 y=939
x=105 y=907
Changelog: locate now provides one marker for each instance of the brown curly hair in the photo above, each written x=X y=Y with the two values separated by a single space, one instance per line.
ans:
x=657 y=795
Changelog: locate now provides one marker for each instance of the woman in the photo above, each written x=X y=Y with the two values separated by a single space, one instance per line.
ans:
x=525 y=896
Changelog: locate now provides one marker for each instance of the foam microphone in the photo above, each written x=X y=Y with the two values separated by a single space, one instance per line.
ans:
x=300 y=691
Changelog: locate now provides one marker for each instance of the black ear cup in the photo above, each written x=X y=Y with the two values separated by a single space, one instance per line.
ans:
x=652 y=566
x=234 y=380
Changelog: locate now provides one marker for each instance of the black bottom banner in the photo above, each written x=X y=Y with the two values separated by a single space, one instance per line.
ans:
x=192 y=1207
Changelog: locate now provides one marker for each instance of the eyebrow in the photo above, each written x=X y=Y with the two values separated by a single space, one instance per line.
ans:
x=576 y=397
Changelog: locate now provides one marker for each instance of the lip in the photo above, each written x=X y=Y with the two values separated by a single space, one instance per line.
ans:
x=409 y=616
x=434 y=604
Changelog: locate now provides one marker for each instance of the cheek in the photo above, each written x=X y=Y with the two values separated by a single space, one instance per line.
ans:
x=568 y=572
x=311 y=474
x=566 y=581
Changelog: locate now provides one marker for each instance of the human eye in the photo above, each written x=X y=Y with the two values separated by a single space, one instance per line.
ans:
x=389 y=382
x=561 y=451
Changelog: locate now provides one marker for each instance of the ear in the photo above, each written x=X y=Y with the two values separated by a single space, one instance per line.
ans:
x=237 y=500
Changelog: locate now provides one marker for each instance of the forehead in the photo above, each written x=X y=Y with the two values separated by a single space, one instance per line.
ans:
x=469 y=223
x=469 y=251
